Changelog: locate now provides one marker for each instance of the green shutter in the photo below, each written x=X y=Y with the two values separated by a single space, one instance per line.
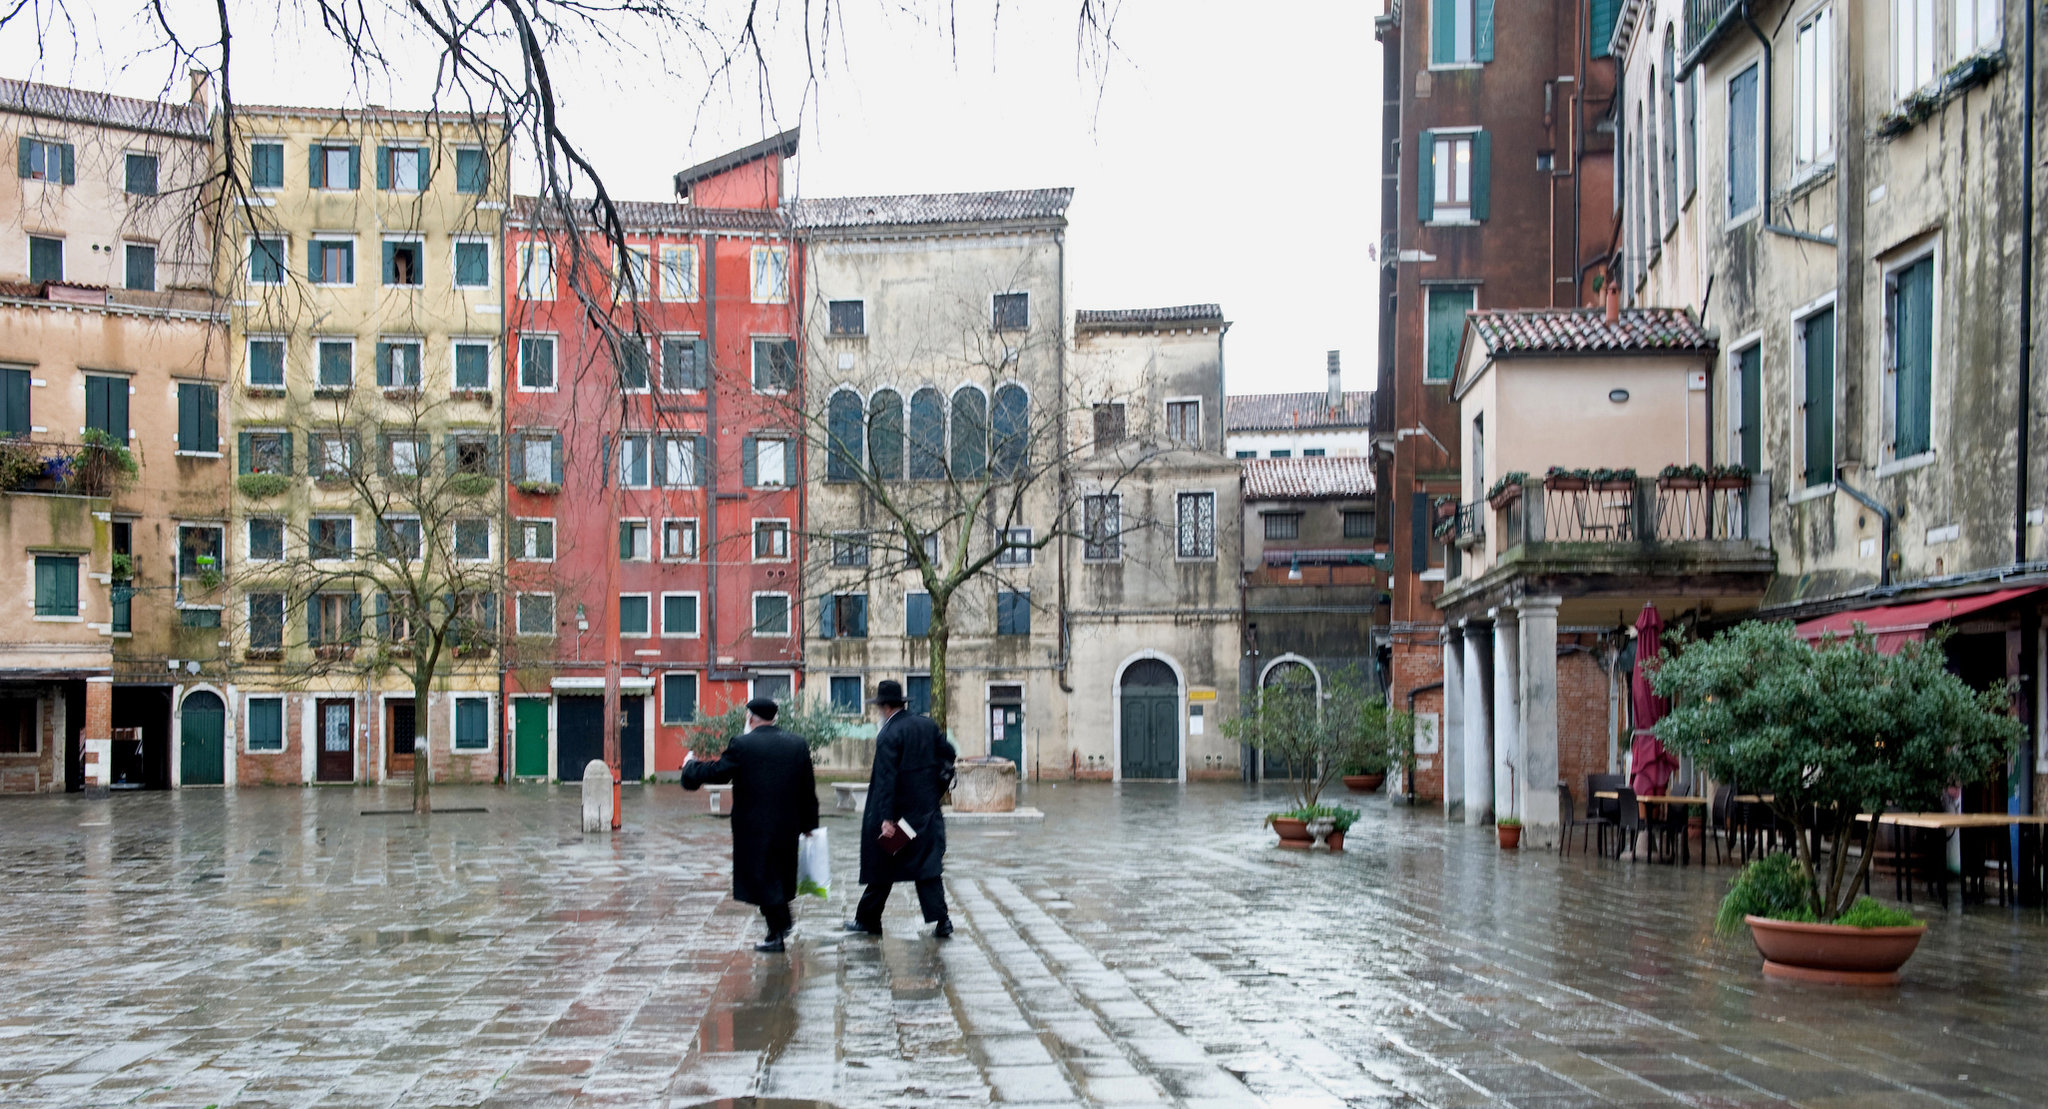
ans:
x=1913 y=354
x=625 y=539
x=859 y=616
x=604 y=463
x=747 y=468
x=315 y=166
x=70 y=169
x=355 y=167
x=285 y=466
x=383 y=616
x=1482 y=174
x=384 y=167
x=1482 y=30
x=22 y=148
x=390 y=263
x=1819 y=341
x=1443 y=29
x=1425 y=176
x=242 y=453
x=1600 y=26
x=188 y=417
x=789 y=459
x=14 y=405
x=355 y=617
x=1751 y=369
x=313 y=618
x=825 y=610
x=698 y=474
x=556 y=457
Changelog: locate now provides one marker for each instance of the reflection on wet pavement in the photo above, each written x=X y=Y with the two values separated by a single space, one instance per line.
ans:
x=1145 y=946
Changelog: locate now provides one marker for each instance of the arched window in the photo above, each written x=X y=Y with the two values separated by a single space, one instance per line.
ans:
x=970 y=434
x=1011 y=421
x=885 y=434
x=844 y=430
x=927 y=435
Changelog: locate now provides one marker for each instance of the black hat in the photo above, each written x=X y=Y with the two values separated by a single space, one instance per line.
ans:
x=762 y=707
x=887 y=693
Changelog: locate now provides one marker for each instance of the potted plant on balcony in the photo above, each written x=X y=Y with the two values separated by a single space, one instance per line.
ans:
x=1682 y=477
x=1560 y=480
x=1621 y=480
x=1507 y=490
x=1837 y=735
x=1729 y=475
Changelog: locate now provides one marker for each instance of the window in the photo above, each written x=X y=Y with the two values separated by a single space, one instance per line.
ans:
x=337 y=359
x=682 y=364
x=266 y=538
x=266 y=362
x=771 y=274
x=1195 y=525
x=266 y=165
x=885 y=434
x=18 y=731
x=1817 y=397
x=1244 y=454
x=846 y=695
x=537 y=362
x=199 y=618
x=631 y=278
x=632 y=461
x=539 y=458
x=1446 y=312
x=970 y=434
x=198 y=423
x=1813 y=126
x=771 y=614
x=536 y=540
x=472 y=538
x=629 y=354
x=395 y=620
x=774 y=365
x=472 y=263
x=930 y=545
x=1010 y=432
x=1109 y=425
x=472 y=723
x=402 y=168
x=405 y=262
x=472 y=170
x=199 y=553
x=266 y=260
x=678 y=272
x=1282 y=525
x=334 y=619
x=1184 y=421
x=767 y=463
x=845 y=429
x=771 y=539
x=1457 y=174
x=843 y=616
x=1692 y=134
x=45 y=259
x=140 y=267
x=849 y=548
x=1744 y=152
x=917 y=615
x=1747 y=381
x=398 y=363
x=1646 y=120
x=1314 y=452
x=334 y=455
x=1012 y=311
x=847 y=317
x=1909 y=311
x=57 y=585
x=1102 y=528
x=680 y=461
x=633 y=615
x=106 y=405
x=679 y=540
x=927 y=435
x=536 y=271
x=1279 y=454
x=334 y=167
x=473 y=366
x=679 y=614
x=1912 y=46
x=266 y=621
x=1460 y=32
x=398 y=537
x=775 y=687
x=266 y=721
x=331 y=262
x=43 y=160
x=633 y=540
x=470 y=453
x=404 y=455
x=536 y=613
x=331 y=537
x=1977 y=25
x=1013 y=613
x=141 y=174
x=1357 y=524
x=678 y=698
x=1016 y=547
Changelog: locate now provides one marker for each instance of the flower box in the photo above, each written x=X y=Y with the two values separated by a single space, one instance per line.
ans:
x=538 y=488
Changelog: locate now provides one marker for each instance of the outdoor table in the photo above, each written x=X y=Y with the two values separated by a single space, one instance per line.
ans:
x=1684 y=841
x=2028 y=828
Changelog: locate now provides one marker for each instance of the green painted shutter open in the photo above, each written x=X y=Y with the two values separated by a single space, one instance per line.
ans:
x=384 y=167
x=1443 y=31
x=1750 y=367
x=1425 y=176
x=355 y=167
x=316 y=177
x=1913 y=354
x=22 y=148
x=748 y=471
x=70 y=165
x=14 y=414
x=1482 y=175
x=555 y=454
x=1600 y=26
x=1482 y=30
x=1446 y=329
x=1819 y=341
x=827 y=609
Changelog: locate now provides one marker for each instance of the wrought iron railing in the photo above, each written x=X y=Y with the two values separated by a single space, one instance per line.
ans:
x=1706 y=23
x=1470 y=530
x=1641 y=511
x=35 y=466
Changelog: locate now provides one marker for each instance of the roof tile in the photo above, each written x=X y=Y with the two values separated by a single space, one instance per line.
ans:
x=1553 y=330
x=1288 y=411
x=185 y=121
x=1299 y=479
x=825 y=213
x=1125 y=317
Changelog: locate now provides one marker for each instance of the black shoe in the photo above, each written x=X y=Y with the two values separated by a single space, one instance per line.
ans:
x=858 y=928
x=772 y=945
x=944 y=929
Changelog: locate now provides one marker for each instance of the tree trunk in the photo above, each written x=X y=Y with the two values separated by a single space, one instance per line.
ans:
x=422 y=750
x=940 y=633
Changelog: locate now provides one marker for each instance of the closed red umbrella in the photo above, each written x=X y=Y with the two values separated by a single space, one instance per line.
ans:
x=1650 y=765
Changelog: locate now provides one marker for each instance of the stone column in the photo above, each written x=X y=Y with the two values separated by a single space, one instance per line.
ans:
x=1507 y=716
x=1453 y=738
x=1478 y=726
x=1538 y=775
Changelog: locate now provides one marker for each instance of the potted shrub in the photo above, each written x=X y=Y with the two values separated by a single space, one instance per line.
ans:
x=1771 y=897
x=1318 y=737
x=1509 y=829
x=1561 y=480
x=262 y=486
x=1682 y=477
x=1341 y=820
x=1832 y=732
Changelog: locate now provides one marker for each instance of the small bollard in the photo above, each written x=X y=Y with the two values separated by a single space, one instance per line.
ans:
x=597 y=796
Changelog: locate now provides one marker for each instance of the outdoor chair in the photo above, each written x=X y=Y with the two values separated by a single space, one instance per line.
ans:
x=1667 y=831
x=1717 y=823
x=1629 y=821
x=1584 y=825
x=1604 y=808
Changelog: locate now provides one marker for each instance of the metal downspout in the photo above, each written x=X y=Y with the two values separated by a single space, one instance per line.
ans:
x=2026 y=369
x=1884 y=569
x=707 y=537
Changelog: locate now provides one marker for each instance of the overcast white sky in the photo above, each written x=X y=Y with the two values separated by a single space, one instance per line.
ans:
x=1223 y=153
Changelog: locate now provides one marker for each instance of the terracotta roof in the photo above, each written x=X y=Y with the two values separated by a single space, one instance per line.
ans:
x=785 y=144
x=1288 y=411
x=1575 y=330
x=653 y=215
x=1211 y=314
x=449 y=118
x=1300 y=479
x=929 y=208
x=184 y=121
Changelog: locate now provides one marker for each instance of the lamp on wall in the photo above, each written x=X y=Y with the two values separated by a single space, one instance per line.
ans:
x=1294 y=569
x=582 y=623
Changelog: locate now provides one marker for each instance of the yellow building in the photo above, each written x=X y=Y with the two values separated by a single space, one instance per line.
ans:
x=361 y=255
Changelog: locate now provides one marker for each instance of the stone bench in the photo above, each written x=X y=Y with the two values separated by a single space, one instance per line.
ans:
x=850 y=796
x=717 y=798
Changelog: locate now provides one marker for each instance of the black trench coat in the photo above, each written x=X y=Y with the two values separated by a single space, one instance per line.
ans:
x=912 y=762
x=774 y=800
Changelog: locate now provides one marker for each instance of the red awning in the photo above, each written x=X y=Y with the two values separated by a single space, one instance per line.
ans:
x=1896 y=625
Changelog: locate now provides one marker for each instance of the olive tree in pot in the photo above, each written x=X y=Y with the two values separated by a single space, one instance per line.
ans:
x=1836 y=734
x=1351 y=726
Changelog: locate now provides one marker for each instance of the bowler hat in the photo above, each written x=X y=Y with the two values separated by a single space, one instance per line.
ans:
x=887 y=693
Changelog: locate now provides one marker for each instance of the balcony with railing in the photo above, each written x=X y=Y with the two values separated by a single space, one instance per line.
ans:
x=1707 y=24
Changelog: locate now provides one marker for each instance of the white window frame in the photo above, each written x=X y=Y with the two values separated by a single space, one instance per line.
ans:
x=695 y=538
x=1116 y=505
x=419 y=358
x=764 y=263
x=519 y=553
x=1201 y=419
x=249 y=545
x=266 y=140
x=390 y=167
x=454 y=530
x=754 y=686
x=283 y=361
x=669 y=457
x=1215 y=524
x=642 y=252
x=625 y=447
x=696 y=599
x=320 y=343
x=525 y=439
x=490 y=724
x=754 y=365
x=284 y=256
x=781 y=470
x=412 y=239
x=1445 y=207
x=455 y=345
x=1464 y=11
x=455 y=245
x=328 y=150
x=422 y=454
x=1915 y=47
x=755 y=533
x=536 y=284
x=314 y=242
x=650 y=348
x=1975 y=27
x=284 y=731
x=554 y=362
x=1813 y=106
x=1795 y=484
x=353 y=546
x=519 y=615
x=696 y=698
x=643 y=546
x=668 y=268
x=316 y=452
x=419 y=547
x=754 y=616
x=1889 y=363
x=649 y=631
x=1731 y=368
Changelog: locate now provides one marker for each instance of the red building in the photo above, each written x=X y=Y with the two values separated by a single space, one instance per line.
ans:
x=654 y=538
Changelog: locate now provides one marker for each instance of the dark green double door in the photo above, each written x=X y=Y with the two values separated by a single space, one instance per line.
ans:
x=1150 y=728
x=579 y=737
x=202 y=740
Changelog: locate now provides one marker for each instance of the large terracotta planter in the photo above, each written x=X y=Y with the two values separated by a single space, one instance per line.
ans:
x=1293 y=833
x=1364 y=783
x=1837 y=954
x=1510 y=836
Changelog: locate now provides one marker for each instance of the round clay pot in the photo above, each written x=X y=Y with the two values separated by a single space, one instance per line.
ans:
x=1510 y=836
x=1837 y=954
x=1364 y=783
x=1334 y=841
x=1293 y=833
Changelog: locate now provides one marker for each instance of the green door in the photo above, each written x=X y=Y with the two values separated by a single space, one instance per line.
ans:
x=201 y=743
x=1006 y=732
x=1151 y=721
x=530 y=737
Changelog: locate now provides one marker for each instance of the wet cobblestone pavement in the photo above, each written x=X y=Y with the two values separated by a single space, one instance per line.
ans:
x=1145 y=946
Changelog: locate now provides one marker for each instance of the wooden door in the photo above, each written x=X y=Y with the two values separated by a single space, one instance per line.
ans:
x=530 y=738
x=632 y=738
x=579 y=735
x=336 y=722
x=201 y=742
x=1150 y=731
x=1006 y=731
x=399 y=738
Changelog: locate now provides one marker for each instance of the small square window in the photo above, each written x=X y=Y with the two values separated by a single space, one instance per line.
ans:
x=336 y=166
x=678 y=698
x=266 y=538
x=266 y=718
x=337 y=363
x=846 y=695
x=45 y=259
x=679 y=540
x=473 y=366
x=398 y=364
x=917 y=615
x=849 y=549
x=140 y=267
x=404 y=456
x=472 y=170
x=331 y=537
x=333 y=261
x=266 y=260
x=633 y=616
x=56 y=585
x=536 y=271
x=1357 y=524
x=405 y=263
x=1013 y=613
x=1102 y=528
x=633 y=539
x=1195 y=525
x=678 y=614
x=845 y=616
x=1283 y=525
x=472 y=538
x=537 y=540
x=141 y=175
x=771 y=274
x=848 y=317
x=1012 y=311
x=472 y=264
x=771 y=539
x=771 y=614
x=678 y=272
x=1016 y=547
x=266 y=621
x=1184 y=421
x=536 y=614
x=472 y=723
x=266 y=165
x=774 y=365
x=266 y=362
x=1109 y=425
x=334 y=456
x=536 y=362
x=407 y=171
x=399 y=537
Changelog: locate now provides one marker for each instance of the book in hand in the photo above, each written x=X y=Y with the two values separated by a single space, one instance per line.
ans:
x=896 y=836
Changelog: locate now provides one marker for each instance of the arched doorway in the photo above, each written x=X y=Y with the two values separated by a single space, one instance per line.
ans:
x=1294 y=675
x=202 y=735
x=1150 y=729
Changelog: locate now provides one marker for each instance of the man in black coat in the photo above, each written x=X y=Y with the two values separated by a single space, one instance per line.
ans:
x=774 y=801
x=913 y=768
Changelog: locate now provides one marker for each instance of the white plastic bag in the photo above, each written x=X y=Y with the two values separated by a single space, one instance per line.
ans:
x=814 y=865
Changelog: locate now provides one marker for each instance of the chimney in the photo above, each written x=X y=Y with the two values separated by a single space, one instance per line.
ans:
x=202 y=82
x=1336 y=384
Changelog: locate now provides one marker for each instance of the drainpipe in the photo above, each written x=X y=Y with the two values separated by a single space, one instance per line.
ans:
x=2026 y=374
x=707 y=537
x=1884 y=515
x=1066 y=642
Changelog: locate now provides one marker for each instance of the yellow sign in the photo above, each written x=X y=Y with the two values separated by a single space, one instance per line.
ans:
x=1201 y=694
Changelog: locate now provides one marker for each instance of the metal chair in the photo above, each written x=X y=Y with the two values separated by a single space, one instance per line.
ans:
x=1717 y=823
x=1629 y=822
